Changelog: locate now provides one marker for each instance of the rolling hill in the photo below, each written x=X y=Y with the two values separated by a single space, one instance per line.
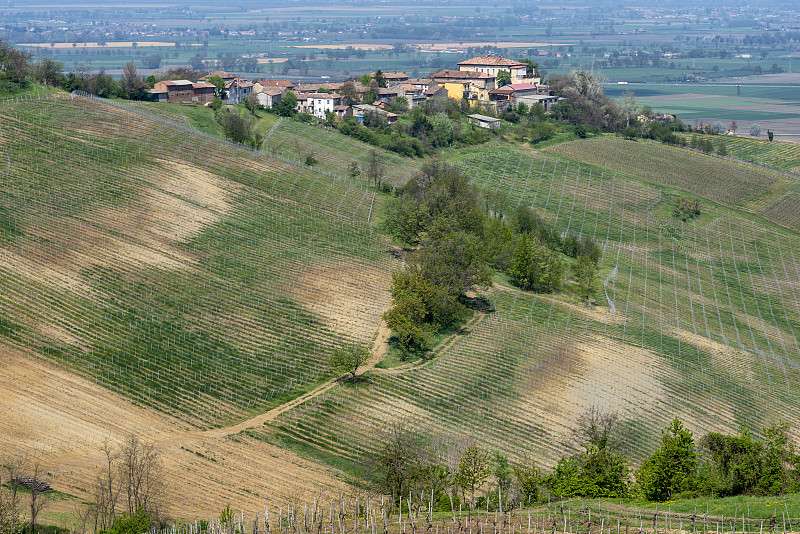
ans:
x=157 y=280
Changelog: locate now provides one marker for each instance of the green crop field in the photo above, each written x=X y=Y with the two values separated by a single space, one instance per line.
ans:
x=778 y=155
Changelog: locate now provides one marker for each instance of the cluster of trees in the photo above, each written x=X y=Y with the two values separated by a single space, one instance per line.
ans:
x=434 y=125
x=439 y=213
x=17 y=69
x=457 y=237
x=686 y=209
x=452 y=470
x=127 y=494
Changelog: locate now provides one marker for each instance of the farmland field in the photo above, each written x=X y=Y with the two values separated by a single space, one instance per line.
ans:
x=195 y=281
x=697 y=319
x=195 y=289
x=729 y=183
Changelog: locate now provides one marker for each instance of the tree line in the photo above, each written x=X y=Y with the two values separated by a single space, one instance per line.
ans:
x=455 y=472
x=456 y=238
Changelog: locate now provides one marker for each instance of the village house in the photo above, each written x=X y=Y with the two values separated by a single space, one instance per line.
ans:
x=360 y=110
x=268 y=96
x=394 y=78
x=512 y=94
x=470 y=85
x=182 y=91
x=492 y=65
x=319 y=104
x=281 y=84
x=237 y=91
x=483 y=121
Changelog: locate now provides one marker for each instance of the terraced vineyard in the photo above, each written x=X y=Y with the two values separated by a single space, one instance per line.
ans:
x=732 y=184
x=296 y=140
x=698 y=320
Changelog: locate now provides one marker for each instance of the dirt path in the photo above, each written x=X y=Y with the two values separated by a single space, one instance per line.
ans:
x=379 y=349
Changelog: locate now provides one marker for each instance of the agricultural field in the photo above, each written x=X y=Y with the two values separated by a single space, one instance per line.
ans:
x=775 y=154
x=697 y=320
x=756 y=190
x=774 y=107
x=189 y=280
x=158 y=280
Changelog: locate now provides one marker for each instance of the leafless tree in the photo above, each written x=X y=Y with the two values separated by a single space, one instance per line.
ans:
x=38 y=496
x=599 y=428
x=106 y=489
x=375 y=169
x=141 y=476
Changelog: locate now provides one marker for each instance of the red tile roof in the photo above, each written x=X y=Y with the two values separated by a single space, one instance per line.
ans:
x=491 y=61
x=460 y=74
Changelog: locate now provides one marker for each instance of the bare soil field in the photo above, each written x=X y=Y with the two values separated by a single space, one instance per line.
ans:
x=63 y=419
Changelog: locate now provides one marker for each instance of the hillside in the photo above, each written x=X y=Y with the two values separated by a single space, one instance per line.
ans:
x=157 y=280
x=196 y=281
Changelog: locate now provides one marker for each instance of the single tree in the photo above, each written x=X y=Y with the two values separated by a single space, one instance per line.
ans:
x=365 y=79
x=38 y=496
x=584 y=271
x=672 y=468
x=528 y=478
x=375 y=169
x=502 y=471
x=219 y=86
x=9 y=514
x=349 y=358
x=379 y=78
x=132 y=84
x=353 y=170
x=734 y=126
x=252 y=103
x=755 y=130
x=473 y=470
x=348 y=91
x=503 y=78
x=286 y=107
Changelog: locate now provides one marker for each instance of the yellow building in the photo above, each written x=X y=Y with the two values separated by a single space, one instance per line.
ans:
x=465 y=84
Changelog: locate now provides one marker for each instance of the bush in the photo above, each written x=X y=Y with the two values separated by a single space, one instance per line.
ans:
x=630 y=133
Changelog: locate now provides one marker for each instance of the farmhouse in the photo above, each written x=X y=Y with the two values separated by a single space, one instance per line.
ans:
x=182 y=91
x=484 y=121
x=319 y=104
x=393 y=78
x=470 y=85
x=547 y=101
x=268 y=96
